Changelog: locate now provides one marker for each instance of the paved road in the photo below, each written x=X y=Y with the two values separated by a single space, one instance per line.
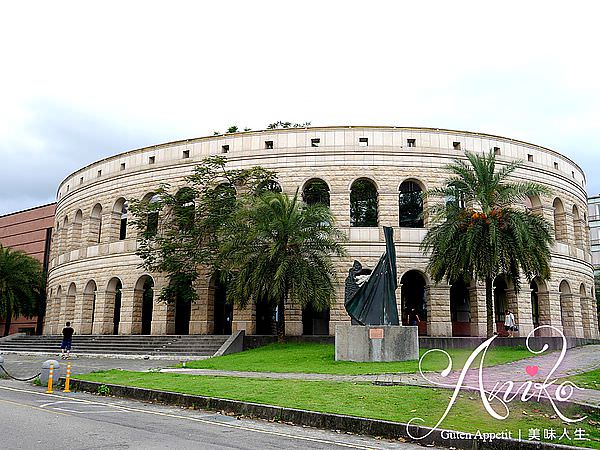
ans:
x=33 y=419
x=24 y=366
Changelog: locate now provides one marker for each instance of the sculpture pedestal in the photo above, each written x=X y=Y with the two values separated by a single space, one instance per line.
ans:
x=376 y=343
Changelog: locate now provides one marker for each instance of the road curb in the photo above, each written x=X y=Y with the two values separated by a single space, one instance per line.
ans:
x=338 y=422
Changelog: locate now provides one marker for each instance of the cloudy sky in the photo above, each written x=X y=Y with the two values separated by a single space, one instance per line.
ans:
x=83 y=80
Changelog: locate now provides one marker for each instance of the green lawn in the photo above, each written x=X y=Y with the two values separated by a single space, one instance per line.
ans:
x=396 y=403
x=587 y=380
x=320 y=358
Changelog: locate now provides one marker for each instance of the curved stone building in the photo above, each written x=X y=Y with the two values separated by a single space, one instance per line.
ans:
x=369 y=176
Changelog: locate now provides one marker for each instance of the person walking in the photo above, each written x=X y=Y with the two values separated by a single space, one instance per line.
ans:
x=509 y=323
x=67 y=339
x=413 y=318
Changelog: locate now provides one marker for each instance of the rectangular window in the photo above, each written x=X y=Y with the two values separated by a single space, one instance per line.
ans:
x=67 y=188
x=456 y=145
x=269 y=144
x=186 y=154
x=556 y=165
x=363 y=142
x=572 y=174
x=224 y=148
x=496 y=150
x=99 y=173
x=315 y=142
x=122 y=166
x=81 y=180
x=411 y=142
x=151 y=159
x=530 y=158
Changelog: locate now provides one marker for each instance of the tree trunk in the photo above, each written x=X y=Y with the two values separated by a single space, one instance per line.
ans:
x=8 y=319
x=281 y=320
x=489 y=306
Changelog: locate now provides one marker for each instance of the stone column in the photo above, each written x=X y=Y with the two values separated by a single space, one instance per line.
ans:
x=163 y=318
x=84 y=312
x=478 y=309
x=111 y=226
x=549 y=303
x=594 y=331
x=244 y=319
x=293 y=320
x=104 y=313
x=520 y=306
x=439 y=321
x=202 y=317
x=131 y=311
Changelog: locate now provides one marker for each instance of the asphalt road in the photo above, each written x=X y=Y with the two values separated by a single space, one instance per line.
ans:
x=32 y=419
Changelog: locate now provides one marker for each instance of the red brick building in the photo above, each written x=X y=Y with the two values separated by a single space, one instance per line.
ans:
x=31 y=232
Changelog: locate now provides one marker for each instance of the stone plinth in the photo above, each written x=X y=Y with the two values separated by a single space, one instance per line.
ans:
x=376 y=343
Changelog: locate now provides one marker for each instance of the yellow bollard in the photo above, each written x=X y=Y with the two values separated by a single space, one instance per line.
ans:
x=68 y=379
x=50 y=375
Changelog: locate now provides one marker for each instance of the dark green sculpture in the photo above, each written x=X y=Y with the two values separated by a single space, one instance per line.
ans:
x=370 y=296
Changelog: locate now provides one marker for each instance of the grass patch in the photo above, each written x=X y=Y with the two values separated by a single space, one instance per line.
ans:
x=587 y=380
x=320 y=358
x=396 y=403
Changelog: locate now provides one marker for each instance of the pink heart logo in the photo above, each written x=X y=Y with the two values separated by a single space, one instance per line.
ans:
x=532 y=370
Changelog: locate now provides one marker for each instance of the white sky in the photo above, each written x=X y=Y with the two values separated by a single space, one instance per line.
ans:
x=80 y=82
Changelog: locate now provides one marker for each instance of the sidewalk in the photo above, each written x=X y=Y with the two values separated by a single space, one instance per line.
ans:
x=577 y=360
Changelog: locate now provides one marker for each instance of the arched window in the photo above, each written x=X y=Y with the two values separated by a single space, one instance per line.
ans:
x=270 y=185
x=577 y=227
x=316 y=191
x=64 y=236
x=500 y=301
x=96 y=224
x=456 y=198
x=76 y=234
x=363 y=203
x=123 y=222
x=410 y=205
x=144 y=294
x=560 y=221
x=152 y=218
x=89 y=305
x=113 y=296
x=184 y=208
x=533 y=204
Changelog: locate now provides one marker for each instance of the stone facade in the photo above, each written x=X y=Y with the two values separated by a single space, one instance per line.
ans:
x=87 y=245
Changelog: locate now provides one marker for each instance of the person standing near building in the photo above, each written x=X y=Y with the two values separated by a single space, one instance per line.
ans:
x=65 y=345
x=509 y=323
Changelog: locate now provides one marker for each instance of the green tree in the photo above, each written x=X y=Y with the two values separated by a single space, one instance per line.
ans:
x=21 y=278
x=280 y=249
x=479 y=231
x=191 y=222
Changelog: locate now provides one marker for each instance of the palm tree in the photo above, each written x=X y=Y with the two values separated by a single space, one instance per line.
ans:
x=479 y=230
x=21 y=279
x=280 y=249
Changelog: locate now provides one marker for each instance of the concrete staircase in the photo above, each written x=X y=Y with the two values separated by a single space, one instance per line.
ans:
x=170 y=345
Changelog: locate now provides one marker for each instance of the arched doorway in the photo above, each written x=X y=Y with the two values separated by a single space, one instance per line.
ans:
x=535 y=305
x=144 y=297
x=315 y=322
x=223 y=311
x=266 y=322
x=460 y=309
x=113 y=295
x=413 y=297
x=500 y=304
x=183 y=307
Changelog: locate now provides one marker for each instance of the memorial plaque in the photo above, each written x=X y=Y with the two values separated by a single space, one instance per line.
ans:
x=376 y=333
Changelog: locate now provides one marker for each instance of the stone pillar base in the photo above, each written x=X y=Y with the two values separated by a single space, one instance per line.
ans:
x=201 y=327
x=247 y=326
x=293 y=328
x=376 y=343
x=439 y=329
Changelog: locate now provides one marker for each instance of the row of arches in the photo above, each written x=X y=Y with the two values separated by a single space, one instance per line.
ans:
x=112 y=226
